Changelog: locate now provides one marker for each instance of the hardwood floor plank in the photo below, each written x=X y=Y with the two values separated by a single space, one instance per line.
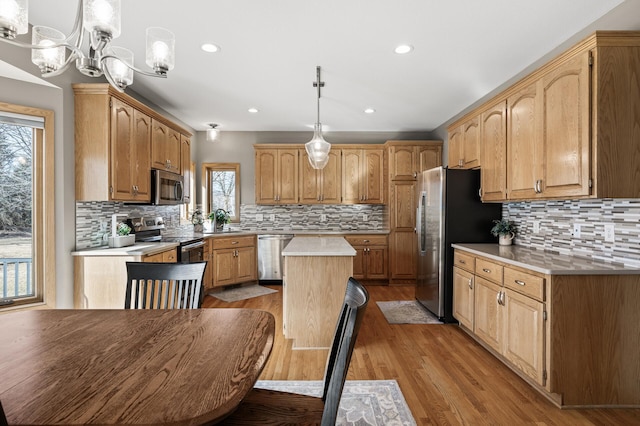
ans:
x=446 y=377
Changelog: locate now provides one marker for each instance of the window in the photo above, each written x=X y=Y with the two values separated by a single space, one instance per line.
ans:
x=221 y=186
x=27 y=237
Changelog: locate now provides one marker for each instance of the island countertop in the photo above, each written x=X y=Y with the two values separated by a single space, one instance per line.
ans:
x=318 y=246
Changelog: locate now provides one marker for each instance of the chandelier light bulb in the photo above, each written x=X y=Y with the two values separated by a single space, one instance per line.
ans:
x=160 y=49
x=51 y=59
x=102 y=16
x=13 y=18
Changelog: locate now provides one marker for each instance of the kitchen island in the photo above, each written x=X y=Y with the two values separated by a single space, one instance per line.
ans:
x=316 y=270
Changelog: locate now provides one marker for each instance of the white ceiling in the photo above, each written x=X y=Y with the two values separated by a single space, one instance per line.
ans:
x=463 y=49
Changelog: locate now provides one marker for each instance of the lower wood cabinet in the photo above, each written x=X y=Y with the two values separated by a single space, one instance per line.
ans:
x=372 y=259
x=568 y=334
x=169 y=256
x=234 y=260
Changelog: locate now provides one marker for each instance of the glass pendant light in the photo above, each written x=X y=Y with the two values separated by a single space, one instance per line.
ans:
x=317 y=148
x=212 y=133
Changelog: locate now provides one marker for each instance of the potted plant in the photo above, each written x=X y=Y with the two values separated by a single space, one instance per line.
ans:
x=505 y=230
x=219 y=218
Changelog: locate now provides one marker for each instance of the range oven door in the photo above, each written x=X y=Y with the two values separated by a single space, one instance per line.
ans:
x=192 y=252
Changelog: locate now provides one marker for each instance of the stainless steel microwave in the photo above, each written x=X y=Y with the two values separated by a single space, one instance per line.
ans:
x=166 y=188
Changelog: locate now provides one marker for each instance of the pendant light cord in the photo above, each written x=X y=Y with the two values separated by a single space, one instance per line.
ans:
x=318 y=84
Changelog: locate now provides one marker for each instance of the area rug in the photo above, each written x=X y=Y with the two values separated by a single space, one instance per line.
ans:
x=241 y=293
x=363 y=402
x=407 y=312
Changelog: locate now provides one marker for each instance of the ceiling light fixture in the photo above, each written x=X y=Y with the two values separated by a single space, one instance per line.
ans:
x=212 y=133
x=101 y=19
x=369 y=111
x=253 y=110
x=317 y=148
x=210 y=48
x=403 y=48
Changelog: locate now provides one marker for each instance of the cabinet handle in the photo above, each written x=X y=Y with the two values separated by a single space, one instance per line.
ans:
x=470 y=283
x=462 y=262
x=415 y=174
x=498 y=298
x=234 y=242
x=365 y=241
x=502 y=298
x=480 y=192
x=520 y=282
x=488 y=271
x=460 y=162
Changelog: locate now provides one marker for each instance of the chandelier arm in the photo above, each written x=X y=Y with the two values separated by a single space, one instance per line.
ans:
x=131 y=67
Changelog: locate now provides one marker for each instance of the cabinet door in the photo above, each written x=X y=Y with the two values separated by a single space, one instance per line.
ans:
x=122 y=151
x=331 y=176
x=351 y=176
x=463 y=297
x=174 y=143
x=565 y=129
x=159 y=142
x=224 y=267
x=266 y=165
x=247 y=266
x=377 y=263
x=488 y=321
x=430 y=157
x=153 y=258
x=524 y=334
x=170 y=256
x=403 y=206
x=142 y=154
x=493 y=134
x=287 y=176
x=359 y=266
x=373 y=173
x=455 y=148
x=402 y=162
x=471 y=144
x=310 y=180
x=185 y=164
x=522 y=136
x=403 y=255
x=208 y=271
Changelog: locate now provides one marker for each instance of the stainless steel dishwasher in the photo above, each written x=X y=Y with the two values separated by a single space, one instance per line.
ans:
x=270 y=260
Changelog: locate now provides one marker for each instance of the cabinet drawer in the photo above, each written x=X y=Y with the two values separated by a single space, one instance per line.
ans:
x=367 y=240
x=489 y=270
x=233 y=242
x=464 y=261
x=522 y=282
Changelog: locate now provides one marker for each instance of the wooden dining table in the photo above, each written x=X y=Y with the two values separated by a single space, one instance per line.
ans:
x=130 y=366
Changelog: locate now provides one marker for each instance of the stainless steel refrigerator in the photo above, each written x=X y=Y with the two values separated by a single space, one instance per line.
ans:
x=449 y=211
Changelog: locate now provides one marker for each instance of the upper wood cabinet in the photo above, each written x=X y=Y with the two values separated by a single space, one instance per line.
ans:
x=363 y=175
x=493 y=134
x=570 y=126
x=113 y=133
x=165 y=147
x=464 y=145
x=322 y=186
x=185 y=163
x=408 y=158
x=276 y=175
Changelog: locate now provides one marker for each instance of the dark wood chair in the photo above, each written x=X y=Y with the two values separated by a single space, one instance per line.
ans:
x=268 y=407
x=164 y=285
x=3 y=417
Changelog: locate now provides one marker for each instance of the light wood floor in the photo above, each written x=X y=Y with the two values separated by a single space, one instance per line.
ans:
x=445 y=376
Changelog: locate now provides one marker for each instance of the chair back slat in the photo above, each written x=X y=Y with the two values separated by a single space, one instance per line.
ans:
x=164 y=285
x=347 y=327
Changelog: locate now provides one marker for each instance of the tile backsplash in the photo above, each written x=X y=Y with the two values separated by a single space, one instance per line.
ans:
x=556 y=220
x=90 y=216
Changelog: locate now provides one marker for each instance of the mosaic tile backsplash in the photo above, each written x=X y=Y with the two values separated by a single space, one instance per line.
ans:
x=556 y=221
x=91 y=215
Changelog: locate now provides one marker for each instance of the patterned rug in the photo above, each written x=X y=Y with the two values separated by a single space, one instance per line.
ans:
x=407 y=312
x=241 y=293
x=363 y=402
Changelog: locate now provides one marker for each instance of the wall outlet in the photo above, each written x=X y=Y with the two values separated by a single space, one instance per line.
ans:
x=365 y=217
x=323 y=217
x=272 y=217
x=259 y=217
x=609 y=233
x=576 y=230
x=536 y=226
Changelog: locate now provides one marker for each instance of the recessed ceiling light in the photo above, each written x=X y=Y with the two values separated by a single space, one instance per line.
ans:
x=253 y=110
x=403 y=48
x=210 y=48
x=369 y=111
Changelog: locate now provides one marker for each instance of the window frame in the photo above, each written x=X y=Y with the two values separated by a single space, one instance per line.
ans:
x=207 y=168
x=43 y=214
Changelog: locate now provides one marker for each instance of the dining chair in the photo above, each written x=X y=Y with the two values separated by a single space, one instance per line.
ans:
x=271 y=407
x=164 y=285
x=3 y=417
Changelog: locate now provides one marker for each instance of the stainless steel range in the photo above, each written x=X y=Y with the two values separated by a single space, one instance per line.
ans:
x=148 y=229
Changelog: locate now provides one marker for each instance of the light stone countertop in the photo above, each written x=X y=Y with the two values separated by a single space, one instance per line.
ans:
x=546 y=262
x=138 y=249
x=318 y=246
